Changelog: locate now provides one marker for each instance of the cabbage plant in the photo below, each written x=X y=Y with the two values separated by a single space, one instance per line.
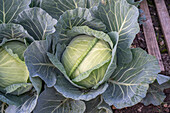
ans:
x=15 y=85
x=20 y=25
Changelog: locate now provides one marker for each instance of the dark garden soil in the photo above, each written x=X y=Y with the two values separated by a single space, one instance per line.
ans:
x=140 y=42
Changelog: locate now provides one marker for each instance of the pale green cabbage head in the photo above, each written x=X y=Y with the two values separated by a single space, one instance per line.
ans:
x=86 y=59
x=12 y=66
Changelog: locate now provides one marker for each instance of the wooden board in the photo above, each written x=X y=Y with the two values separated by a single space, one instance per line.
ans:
x=164 y=21
x=150 y=36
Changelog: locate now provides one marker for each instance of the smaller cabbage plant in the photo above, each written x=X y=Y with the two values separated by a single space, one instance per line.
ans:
x=20 y=24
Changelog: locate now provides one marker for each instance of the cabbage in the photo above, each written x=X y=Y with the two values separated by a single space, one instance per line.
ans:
x=86 y=54
x=12 y=67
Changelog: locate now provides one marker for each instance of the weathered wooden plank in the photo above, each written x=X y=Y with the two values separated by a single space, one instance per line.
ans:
x=164 y=20
x=150 y=37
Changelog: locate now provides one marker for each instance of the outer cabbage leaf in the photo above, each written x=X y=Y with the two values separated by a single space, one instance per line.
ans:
x=13 y=31
x=120 y=16
x=11 y=109
x=68 y=90
x=57 y=7
x=9 y=9
x=155 y=94
x=76 y=17
x=37 y=22
x=50 y=101
x=13 y=99
x=93 y=3
x=27 y=107
x=130 y=82
x=97 y=105
x=37 y=83
x=78 y=30
x=38 y=63
x=134 y=3
x=104 y=108
x=18 y=89
x=162 y=79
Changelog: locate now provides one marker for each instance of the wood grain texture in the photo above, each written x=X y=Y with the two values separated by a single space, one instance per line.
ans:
x=150 y=37
x=164 y=20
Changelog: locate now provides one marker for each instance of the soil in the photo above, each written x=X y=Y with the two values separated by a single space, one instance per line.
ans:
x=140 y=42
